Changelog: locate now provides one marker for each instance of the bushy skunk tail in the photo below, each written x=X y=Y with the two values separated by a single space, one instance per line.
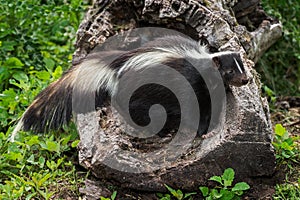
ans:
x=50 y=109
x=53 y=107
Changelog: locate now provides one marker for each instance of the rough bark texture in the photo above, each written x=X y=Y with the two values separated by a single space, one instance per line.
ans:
x=245 y=142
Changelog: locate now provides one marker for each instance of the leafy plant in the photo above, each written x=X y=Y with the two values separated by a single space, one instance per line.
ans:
x=225 y=191
x=280 y=65
x=178 y=194
x=284 y=145
x=36 y=45
x=29 y=166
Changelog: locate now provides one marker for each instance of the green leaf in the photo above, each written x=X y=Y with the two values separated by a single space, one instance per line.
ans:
x=189 y=194
x=209 y=198
x=170 y=189
x=290 y=142
x=65 y=140
x=163 y=196
x=279 y=130
x=286 y=146
x=113 y=196
x=30 y=196
x=8 y=45
x=239 y=193
x=241 y=186
x=51 y=165
x=20 y=76
x=160 y=195
x=49 y=63
x=59 y=161
x=4 y=32
x=226 y=194
x=75 y=143
x=42 y=161
x=178 y=194
x=215 y=194
x=204 y=191
x=57 y=72
x=104 y=198
x=14 y=156
x=51 y=146
x=217 y=179
x=43 y=179
x=285 y=155
x=31 y=159
x=43 y=75
x=228 y=177
x=13 y=147
x=268 y=91
x=13 y=63
x=33 y=140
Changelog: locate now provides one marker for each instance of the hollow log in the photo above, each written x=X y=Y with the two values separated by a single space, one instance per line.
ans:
x=243 y=143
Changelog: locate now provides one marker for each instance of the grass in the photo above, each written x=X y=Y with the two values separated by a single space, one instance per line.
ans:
x=36 y=46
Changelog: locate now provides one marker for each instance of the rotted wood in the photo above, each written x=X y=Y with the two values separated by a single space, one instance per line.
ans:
x=245 y=142
x=244 y=22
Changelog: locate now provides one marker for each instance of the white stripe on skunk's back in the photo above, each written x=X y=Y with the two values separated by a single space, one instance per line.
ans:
x=91 y=75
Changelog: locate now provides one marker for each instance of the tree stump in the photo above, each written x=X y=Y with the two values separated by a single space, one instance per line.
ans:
x=243 y=143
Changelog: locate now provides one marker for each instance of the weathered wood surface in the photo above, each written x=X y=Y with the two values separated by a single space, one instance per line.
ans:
x=243 y=144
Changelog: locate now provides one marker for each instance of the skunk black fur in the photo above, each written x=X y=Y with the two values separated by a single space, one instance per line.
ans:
x=98 y=74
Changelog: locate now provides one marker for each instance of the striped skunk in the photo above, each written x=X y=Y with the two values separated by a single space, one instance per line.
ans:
x=99 y=74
